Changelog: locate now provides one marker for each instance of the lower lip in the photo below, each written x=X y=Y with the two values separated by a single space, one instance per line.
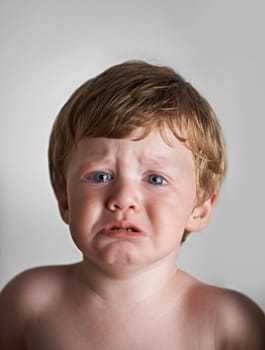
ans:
x=122 y=234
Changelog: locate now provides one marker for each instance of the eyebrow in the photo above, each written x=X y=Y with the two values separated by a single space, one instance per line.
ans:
x=99 y=153
x=104 y=153
x=154 y=158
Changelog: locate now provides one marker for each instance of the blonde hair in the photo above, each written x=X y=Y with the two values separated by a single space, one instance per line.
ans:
x=137 y=94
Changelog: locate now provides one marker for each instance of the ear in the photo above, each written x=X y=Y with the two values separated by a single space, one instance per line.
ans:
x=200 y=216
x=63 y=206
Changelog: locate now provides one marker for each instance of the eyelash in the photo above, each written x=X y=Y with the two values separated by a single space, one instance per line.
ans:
x=103 y=176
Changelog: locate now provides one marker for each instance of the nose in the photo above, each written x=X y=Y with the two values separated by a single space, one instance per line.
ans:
x=123 y=195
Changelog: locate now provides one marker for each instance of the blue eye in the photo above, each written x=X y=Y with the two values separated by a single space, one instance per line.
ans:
x=156 y=179
x=101 y=176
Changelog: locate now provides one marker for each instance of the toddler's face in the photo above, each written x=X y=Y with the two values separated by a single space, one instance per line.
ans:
x=129 y=202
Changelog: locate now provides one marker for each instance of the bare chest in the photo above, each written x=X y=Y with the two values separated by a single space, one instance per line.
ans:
x=129 y=331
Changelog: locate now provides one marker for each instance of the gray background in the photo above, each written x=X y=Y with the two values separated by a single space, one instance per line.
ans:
x=48 y=48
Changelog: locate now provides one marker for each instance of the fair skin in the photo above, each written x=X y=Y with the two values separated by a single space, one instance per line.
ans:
x=127 y=205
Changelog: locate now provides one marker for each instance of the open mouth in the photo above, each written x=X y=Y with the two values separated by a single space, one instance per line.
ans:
x=128 y=229
x=122 y=231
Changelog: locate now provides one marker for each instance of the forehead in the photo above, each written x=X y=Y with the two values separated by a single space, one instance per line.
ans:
x=151 y=148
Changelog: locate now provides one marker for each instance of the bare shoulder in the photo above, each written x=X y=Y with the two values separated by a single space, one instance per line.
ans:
x=241 y=321
x=24 y=298
x=238 y=321
x=36 y=285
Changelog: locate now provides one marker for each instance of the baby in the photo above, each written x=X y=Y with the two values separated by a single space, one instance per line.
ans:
x=136 y=160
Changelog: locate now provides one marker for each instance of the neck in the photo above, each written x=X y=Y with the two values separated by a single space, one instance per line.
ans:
x=129 y=286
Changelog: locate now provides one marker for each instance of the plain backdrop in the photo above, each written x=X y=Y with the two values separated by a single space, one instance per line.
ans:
x=48 y=48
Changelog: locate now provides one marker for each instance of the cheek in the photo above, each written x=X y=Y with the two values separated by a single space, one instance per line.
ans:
x=179 y=199
x=172 y=210
x=82 y=207
x=83 y=214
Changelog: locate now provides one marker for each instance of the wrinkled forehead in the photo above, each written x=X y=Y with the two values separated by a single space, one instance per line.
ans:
x=147 y=148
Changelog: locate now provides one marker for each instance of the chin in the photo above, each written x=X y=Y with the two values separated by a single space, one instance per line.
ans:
x=122 y=254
